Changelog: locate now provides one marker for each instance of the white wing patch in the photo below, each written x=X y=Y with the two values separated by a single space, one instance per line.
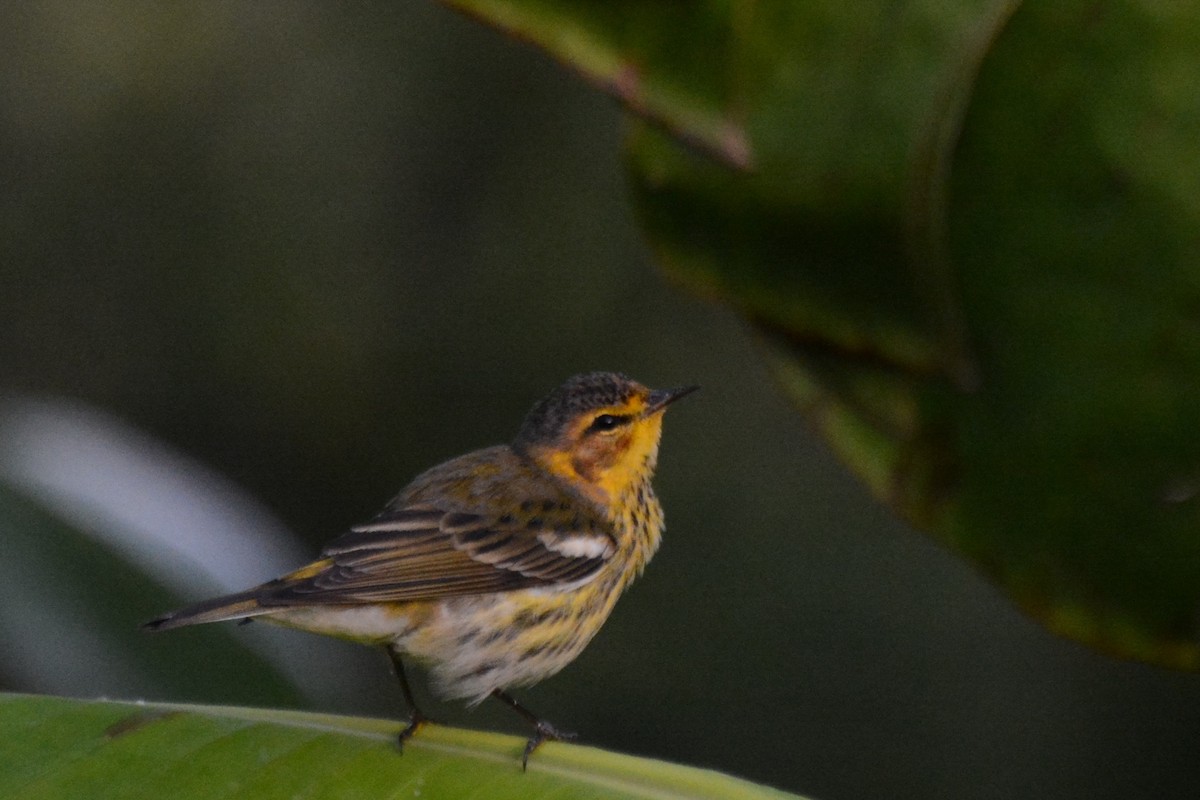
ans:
x=577 y=545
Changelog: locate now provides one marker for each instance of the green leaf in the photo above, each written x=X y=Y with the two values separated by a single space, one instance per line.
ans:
x=56 y=748
x=967 y=230
x=633 y=50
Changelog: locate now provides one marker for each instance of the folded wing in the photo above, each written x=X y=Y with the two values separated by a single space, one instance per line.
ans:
x=425 y=553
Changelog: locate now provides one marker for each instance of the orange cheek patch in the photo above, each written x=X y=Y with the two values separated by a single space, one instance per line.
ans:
x=599 y=454
x=584 y=465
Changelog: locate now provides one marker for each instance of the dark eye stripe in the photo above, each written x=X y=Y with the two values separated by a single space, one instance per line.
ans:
x=607 y=422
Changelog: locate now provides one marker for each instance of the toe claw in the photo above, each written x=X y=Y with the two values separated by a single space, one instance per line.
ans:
x=417 y=722
x=543 y=732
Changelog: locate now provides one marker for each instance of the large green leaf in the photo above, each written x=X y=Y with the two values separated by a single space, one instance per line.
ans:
x=968 y=230
x=56 y=748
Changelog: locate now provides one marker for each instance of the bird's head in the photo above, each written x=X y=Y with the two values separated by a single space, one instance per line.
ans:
x=599 y=431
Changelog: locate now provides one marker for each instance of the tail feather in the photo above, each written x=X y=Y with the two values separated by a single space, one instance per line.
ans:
x=219 y=609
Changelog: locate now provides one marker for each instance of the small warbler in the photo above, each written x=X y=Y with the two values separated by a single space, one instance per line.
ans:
x=496 y=568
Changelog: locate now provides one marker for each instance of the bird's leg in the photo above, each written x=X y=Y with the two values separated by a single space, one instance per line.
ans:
x=416 y=717
x=543 y=731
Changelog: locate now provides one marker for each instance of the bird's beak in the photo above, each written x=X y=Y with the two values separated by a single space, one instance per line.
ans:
x=661 y=398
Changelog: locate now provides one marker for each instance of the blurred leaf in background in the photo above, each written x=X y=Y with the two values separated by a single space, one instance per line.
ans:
x=978 y=268
x=319 y=249
x=105 y=527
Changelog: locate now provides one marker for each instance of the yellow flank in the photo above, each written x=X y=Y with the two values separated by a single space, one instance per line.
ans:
x=496 y=568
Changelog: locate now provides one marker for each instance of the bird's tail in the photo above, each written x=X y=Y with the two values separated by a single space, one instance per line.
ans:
x=242 y=605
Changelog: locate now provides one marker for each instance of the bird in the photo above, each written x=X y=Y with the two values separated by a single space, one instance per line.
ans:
x=496 y=568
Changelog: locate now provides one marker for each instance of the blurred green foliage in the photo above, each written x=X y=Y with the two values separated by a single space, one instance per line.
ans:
x=320 y=249
x=82 y=597
x=947 y=228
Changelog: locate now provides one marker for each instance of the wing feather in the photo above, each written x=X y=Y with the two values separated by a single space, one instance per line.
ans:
x=425 y=553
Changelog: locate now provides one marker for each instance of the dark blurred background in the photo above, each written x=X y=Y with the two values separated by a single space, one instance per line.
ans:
x=302 y=251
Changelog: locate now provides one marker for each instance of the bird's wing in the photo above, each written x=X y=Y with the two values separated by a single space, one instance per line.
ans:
x=425 y=553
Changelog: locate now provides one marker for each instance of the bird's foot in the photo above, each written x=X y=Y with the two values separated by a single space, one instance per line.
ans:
x=415 y=723
x=543 y=731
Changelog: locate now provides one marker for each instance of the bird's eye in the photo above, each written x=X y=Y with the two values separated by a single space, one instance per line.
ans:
x=606 y=422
